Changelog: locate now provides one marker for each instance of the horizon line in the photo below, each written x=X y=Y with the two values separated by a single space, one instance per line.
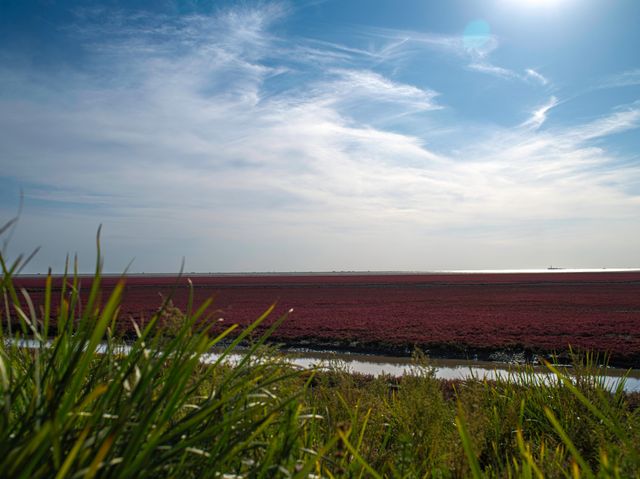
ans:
x=548 y=270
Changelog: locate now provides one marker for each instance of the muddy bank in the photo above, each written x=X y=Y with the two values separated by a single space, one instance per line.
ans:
x=511 y=355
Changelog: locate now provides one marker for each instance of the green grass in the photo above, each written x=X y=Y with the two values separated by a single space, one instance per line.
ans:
x=77 y=405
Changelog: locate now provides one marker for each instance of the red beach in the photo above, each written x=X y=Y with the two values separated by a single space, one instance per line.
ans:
x=447 y=314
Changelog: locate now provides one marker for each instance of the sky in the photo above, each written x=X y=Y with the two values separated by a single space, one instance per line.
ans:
x=336 y=135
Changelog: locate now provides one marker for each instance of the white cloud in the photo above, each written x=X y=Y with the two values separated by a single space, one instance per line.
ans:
x=618 y=122
x=484 y=67
x=474 y=54
x=531 y=73
x=349 y=86
x=539 y=115
x=623 y=79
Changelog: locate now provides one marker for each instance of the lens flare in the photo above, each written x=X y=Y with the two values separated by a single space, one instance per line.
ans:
x=476 y=35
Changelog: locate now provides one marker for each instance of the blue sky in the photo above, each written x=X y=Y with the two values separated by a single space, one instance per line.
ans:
x=322 y=135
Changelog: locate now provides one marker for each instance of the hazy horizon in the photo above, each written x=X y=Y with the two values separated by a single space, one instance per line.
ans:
x=261 y=136
x=549 y=270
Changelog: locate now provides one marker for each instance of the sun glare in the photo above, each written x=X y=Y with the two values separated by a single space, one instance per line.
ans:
x=535 y=3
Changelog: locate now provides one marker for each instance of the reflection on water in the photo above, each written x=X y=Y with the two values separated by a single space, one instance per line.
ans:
x=376 y=365
x=445 y=368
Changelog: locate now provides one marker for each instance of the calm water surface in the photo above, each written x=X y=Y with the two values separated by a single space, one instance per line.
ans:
x=377 y=365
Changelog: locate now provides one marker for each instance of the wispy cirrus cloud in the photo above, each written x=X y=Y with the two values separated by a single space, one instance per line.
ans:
x=485 y=67
x=624 y=119
x=623 y=79
x=473 y=53
x=354 y=86
x=533 y=74
x=539 y=115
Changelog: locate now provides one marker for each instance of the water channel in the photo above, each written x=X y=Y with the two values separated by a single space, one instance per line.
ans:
x=377 y=365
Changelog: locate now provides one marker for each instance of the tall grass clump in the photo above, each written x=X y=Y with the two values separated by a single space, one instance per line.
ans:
x=560 y=424
x=78 y=401
x=525 y=424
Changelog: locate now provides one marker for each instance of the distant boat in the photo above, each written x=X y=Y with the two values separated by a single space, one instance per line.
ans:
x=554 y=267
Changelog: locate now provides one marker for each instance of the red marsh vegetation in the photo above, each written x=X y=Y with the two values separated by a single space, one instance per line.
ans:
x=448 y=314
